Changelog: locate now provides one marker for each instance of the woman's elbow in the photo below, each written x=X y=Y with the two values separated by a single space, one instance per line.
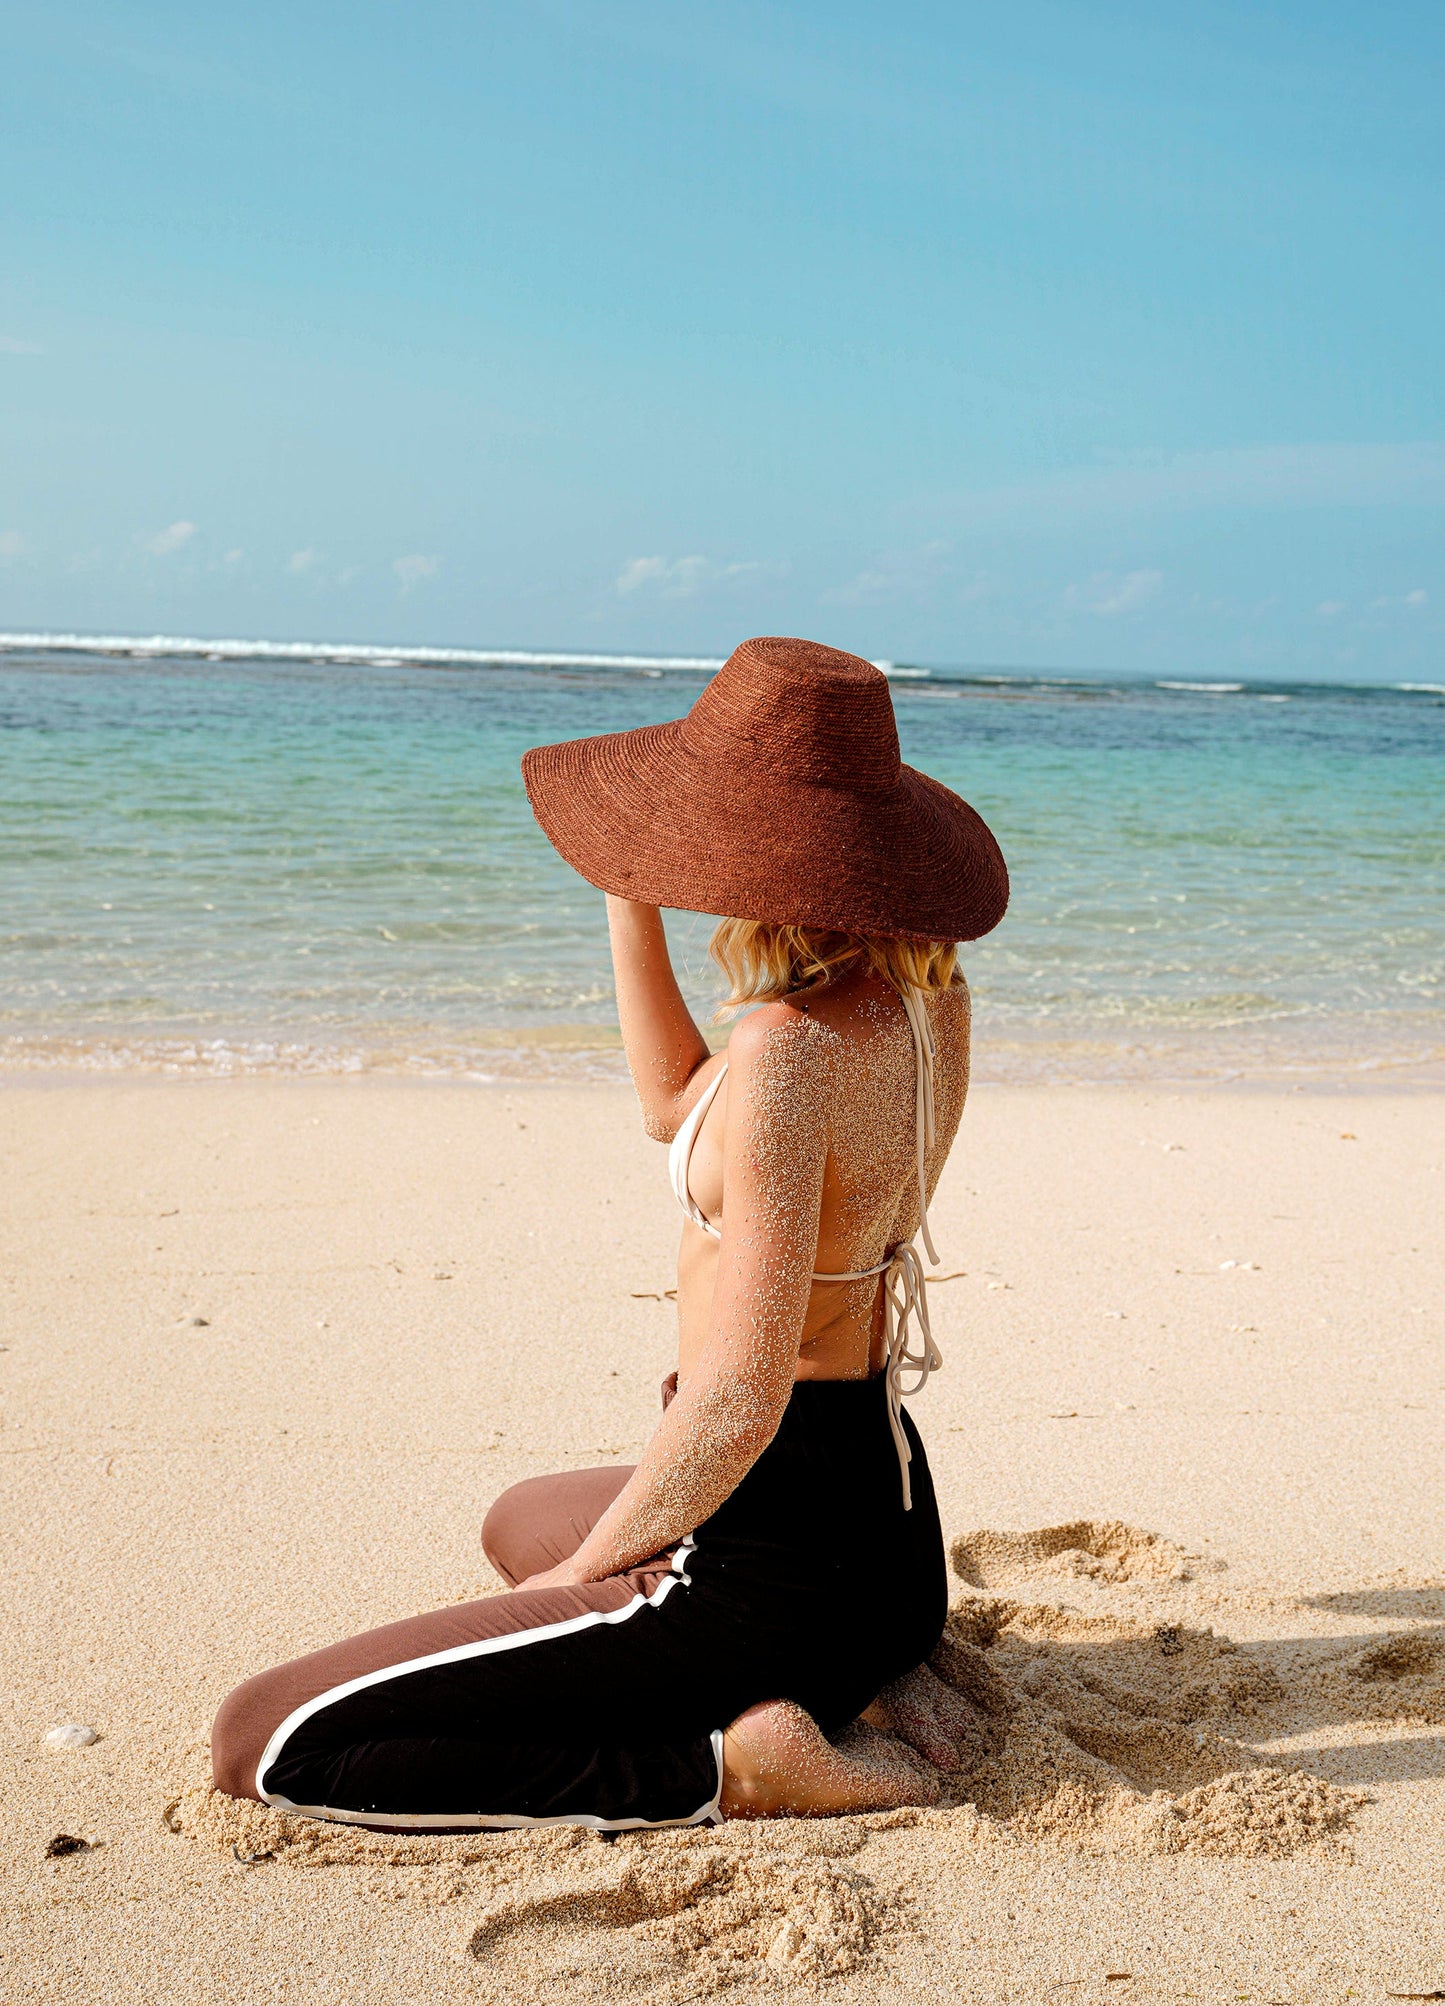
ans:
x=752 y=1424
x=661 y=1124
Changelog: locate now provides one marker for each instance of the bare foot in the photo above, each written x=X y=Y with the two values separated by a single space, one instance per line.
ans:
x=777 y=1763
x=929 y=1715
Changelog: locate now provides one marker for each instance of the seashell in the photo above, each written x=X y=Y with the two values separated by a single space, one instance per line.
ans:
x=71 y=1735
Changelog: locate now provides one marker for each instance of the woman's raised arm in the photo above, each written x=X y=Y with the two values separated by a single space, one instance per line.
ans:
x=664 y=1046
x=728 y=1408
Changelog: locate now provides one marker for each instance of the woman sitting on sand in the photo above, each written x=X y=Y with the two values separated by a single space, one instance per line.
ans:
x=683 y=1637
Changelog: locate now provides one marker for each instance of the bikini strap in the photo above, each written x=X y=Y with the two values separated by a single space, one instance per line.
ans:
x=679 y=1156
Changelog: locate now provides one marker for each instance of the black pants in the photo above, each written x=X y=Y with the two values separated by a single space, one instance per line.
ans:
x=604 y=1705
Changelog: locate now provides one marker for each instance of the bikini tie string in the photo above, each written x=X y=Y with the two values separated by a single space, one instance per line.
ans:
x=905 y=1298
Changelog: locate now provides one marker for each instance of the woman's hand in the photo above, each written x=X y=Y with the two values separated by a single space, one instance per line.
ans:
x=566 y=1574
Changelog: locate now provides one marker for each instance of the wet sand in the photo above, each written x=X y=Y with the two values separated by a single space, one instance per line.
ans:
x=272 y=1347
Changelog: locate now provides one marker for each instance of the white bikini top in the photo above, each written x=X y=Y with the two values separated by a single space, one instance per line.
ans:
x=905 y=1291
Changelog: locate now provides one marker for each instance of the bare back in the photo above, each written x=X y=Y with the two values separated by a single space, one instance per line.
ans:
x=842 y=1057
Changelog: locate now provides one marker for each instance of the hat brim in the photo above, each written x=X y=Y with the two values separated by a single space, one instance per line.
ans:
x=639 y=814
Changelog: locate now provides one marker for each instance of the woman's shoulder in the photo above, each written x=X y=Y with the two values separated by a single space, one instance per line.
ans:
x=954 y=1003
x=952 y=1019
x=781 y=1044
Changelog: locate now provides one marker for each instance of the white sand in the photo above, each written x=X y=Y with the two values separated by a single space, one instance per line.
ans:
x=414 y=1294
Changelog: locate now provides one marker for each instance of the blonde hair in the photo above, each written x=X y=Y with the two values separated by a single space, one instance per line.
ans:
x=764 y=960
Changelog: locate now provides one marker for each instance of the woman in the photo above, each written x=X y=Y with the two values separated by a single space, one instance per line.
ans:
x=683 y=1637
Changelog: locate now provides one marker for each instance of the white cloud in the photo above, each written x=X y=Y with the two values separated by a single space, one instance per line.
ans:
x=1414 y=600
x=1107 y=594
x=302 y=561
x=12 y=545
x=167 y=540
x=10 y=346
x=1418 y=597
x=412 y=570
x=642 y=571
x=233 y=557
x=1330 y=609
x=680 y=577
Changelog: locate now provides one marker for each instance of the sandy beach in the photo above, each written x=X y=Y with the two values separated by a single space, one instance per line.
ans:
x=271 y=1347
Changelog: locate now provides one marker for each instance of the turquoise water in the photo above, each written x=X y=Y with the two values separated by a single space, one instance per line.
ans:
x=303 y=863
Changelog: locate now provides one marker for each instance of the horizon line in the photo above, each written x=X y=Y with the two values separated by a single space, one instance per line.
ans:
x=142 y=647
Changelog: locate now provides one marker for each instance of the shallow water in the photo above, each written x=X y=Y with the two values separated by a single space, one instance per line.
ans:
x=314 y=864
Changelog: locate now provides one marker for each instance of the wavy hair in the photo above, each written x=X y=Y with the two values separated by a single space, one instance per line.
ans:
x=763 y=960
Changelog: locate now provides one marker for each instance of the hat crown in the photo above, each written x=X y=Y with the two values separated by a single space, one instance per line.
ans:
x=796 y=710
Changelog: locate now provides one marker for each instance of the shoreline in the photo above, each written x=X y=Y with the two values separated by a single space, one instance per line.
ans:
x=55 y=1080
x=1339 y=1059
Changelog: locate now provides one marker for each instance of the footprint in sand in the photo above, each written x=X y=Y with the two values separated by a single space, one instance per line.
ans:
x=1411 y=1654
x=719 y=1914
x=701 y=1908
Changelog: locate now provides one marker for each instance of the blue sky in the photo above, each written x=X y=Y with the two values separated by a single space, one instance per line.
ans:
x=1084 y=335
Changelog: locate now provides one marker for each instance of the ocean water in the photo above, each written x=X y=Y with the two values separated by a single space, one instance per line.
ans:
x=323 y=860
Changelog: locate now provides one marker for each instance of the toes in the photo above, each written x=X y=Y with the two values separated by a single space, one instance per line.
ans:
x=935 y=1746
x=918 y=1784
x=956 y=1711
x=928 y=1734
x=942 y=1754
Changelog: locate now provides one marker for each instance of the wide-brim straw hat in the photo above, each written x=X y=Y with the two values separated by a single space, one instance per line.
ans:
x=780 y=796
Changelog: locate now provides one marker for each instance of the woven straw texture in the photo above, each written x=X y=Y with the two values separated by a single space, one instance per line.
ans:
x=780 y=796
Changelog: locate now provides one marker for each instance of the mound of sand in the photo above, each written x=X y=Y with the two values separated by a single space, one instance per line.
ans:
x=1103 y=1550
x=1397 y=1677
x=1100 y=1733
x=1409 y=1654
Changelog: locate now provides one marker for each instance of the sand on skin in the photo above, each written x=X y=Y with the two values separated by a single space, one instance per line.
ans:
x=273 y=1346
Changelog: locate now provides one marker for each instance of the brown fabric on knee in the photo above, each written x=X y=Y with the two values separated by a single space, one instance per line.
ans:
x=542 y=1521
x=252 y=1713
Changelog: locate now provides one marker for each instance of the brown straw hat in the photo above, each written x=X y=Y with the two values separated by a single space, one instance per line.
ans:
x=779 y=796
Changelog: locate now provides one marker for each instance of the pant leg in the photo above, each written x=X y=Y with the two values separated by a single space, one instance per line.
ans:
x=542 y=1521
x=577 y=1705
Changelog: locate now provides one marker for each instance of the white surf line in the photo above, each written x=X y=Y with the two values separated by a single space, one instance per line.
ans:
x=171 y=645
x=363 y=653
